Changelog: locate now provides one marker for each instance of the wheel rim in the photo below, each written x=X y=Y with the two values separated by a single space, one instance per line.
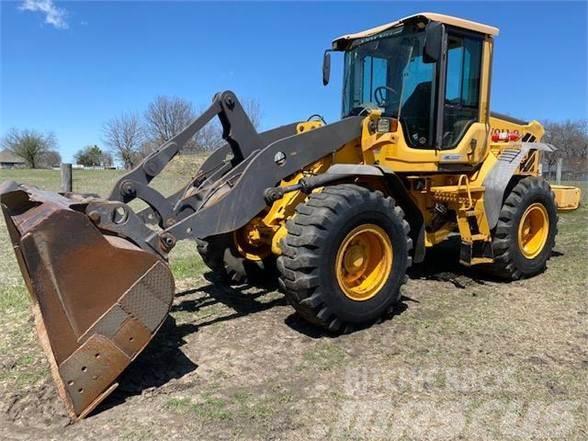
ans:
x=249 y=245
x=364 y=262
x=533 y=230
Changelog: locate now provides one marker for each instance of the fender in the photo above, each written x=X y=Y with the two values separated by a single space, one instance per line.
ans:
x=501 y=174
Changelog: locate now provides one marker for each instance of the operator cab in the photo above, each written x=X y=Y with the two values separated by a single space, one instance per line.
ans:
x=403 y=68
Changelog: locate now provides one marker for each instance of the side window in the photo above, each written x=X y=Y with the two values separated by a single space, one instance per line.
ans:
x=462 y=88
x=416 y=101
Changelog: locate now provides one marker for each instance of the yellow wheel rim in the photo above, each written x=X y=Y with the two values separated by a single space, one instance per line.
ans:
x=533 y=230
x=364 y=262
x=250 y=245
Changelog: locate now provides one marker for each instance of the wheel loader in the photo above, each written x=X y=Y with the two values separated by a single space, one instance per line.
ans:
x=335 y=212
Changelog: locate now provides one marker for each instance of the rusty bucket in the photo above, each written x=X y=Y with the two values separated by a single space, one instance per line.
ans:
x=97 y=299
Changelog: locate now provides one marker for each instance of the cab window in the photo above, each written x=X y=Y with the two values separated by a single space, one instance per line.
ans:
x=462 y=88
x=416 y=104
x=375 y=75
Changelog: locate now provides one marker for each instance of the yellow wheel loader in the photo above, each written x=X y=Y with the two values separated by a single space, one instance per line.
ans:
x=337 y=212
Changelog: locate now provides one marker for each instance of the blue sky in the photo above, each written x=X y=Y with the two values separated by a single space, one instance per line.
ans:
x=73 y=65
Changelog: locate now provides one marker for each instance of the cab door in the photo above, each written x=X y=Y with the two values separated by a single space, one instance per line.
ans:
x=461 y=115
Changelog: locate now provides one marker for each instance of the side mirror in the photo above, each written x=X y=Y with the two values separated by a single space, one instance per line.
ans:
x=433 y=42
x=326 y=67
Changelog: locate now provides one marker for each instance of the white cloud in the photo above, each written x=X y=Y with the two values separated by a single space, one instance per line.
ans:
x=53 y=15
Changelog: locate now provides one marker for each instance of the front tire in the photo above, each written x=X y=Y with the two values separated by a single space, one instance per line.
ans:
x=345 y=257
x=525 y=234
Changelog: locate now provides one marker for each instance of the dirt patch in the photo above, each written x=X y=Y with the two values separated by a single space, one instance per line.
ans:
x=235 y=363
x=463 y=357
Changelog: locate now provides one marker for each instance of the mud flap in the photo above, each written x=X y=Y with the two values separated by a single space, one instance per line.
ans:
x=97 y=300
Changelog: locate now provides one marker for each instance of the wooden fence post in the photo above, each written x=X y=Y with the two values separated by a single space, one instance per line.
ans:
x=66 y=178
x=558 y=171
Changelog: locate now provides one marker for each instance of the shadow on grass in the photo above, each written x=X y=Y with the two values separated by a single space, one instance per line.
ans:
x=238 y=298
x=299 y=324
x=442 y=264
x=163 y=360
x=159 y=363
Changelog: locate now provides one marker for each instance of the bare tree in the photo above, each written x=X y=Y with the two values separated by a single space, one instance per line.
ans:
x=571 y=139
x=166 y=117
x=30 y=145
x=107 y=160
x=208 y=137
x=50 y=159
x=253 y=110
x=124 y=135
x=148 y=146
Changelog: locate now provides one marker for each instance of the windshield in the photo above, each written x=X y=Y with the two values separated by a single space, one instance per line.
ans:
x=388 y=71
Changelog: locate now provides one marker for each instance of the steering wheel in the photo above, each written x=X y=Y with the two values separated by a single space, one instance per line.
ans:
x=382 y=93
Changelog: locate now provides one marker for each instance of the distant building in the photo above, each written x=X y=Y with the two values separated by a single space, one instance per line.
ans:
x=10 y=160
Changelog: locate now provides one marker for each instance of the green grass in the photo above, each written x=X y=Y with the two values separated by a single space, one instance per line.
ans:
x=13 y=299
x=84 y=181
x=573 y=235
x=187 y=264
x=324 y=356
x=184 y=259
x=101 y=182
x=237 y=406
x=208 y=408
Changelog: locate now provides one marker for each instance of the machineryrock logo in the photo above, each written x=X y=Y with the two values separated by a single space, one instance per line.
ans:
x=477 y=404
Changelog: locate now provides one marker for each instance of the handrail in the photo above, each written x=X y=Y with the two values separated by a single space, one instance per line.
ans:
x=467 y=185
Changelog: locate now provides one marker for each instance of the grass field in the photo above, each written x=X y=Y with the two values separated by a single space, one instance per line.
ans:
x=101 y=182
x=465 y=357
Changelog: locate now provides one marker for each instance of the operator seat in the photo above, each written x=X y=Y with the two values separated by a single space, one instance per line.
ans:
x=415 y=115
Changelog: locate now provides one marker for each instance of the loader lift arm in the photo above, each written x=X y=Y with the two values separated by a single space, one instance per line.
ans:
x=228 y=190
x=97 y=274
x=242 y=140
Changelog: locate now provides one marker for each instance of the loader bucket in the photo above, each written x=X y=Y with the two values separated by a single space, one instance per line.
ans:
x=97 y=300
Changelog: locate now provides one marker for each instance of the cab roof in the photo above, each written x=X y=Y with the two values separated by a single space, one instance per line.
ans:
x=343 y=41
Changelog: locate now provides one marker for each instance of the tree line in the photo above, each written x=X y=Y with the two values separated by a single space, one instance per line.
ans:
x=571 y=140
x=131 y=136
x=128 y=137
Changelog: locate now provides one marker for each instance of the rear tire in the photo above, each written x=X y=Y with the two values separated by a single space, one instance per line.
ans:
x=345 y=257
x=525 y=234
x=220 y=254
